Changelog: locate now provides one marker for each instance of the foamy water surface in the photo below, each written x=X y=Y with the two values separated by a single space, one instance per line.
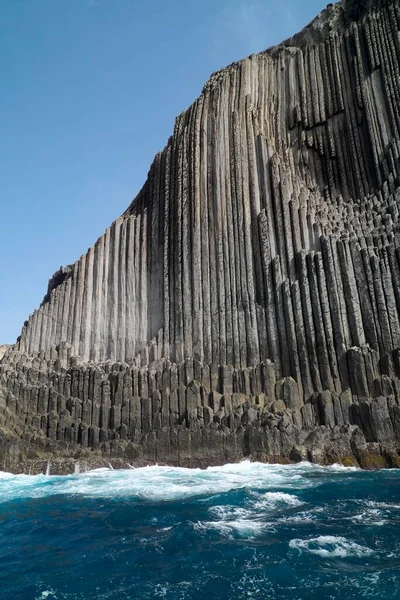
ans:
x=239 y=531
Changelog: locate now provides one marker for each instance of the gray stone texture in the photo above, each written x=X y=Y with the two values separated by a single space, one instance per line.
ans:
x=247 y=303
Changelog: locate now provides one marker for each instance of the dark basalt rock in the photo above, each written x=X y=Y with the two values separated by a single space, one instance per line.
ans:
x=355 y=9
x=57 y=279
x=247 y=303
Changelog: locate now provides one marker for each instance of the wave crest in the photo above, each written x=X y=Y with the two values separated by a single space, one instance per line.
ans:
x=330 y=546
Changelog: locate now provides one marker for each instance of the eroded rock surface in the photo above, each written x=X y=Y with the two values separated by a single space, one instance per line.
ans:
x=247 y=303
x=3 y=350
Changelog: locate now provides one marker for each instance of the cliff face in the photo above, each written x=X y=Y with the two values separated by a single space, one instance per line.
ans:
x=3 y=350
x=247 y=303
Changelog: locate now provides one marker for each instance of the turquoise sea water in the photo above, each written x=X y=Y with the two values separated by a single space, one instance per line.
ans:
x=241 y=531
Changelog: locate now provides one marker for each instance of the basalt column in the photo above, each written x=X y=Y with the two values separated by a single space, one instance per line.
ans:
x=251 y=291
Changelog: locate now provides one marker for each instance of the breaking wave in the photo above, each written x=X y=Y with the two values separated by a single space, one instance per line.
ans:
x=168 y=483
x=330 y=546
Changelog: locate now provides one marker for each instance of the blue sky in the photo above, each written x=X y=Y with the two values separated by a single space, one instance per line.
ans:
x=90 y=91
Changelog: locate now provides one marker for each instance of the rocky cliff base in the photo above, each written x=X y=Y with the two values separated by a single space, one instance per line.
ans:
x=81 y=416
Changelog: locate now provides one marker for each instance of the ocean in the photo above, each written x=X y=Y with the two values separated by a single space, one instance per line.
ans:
x=246 y=531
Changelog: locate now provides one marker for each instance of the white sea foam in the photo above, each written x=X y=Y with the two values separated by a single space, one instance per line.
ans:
x=300 y=518
x=330 y=546
x=165 y=483
x=47 y=594
x=249 y=521
x=273 y=500
x=227 y=513
x=4 y=475
x=168 y=483
x=243 y=528
x=371 y=517
x=341 y=468
x=382 y=505
x=375 y=513
x=281 y=498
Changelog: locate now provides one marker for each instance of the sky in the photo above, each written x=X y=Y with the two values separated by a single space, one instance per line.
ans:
x=89 y=93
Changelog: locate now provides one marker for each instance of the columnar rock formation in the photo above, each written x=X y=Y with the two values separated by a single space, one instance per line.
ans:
x=3 y=350
x=247 y=303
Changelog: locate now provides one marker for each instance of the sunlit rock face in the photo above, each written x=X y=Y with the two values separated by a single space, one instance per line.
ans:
x=247 y=303
x=3 y=350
